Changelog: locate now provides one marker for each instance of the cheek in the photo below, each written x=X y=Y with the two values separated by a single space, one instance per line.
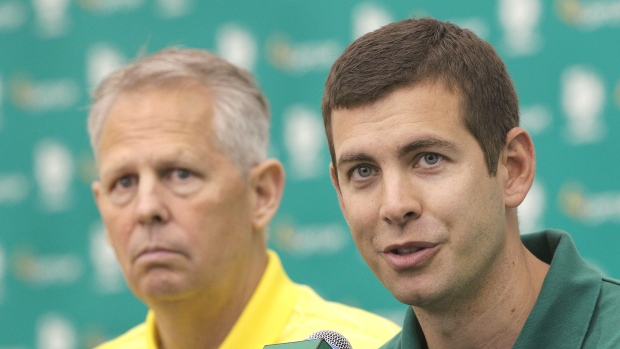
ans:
x=362 y=216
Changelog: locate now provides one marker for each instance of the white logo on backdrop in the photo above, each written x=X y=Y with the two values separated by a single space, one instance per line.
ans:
x=1 y=103
x=47 y=270
x=304 y=139
x=2 y=273
x=44 y=95
x=311 y=239
x=532 y=209
x=111 y=6
x=591 y=208
x=12 y=15
x=108 y=275
x=101 y=60
x=51 y=16
x=173 y=8
x=301 y=57
x=589 y=14
x=535 y=118
x=520 y=20
x=368 y=17
x=55 y=332
x=237 y=45
x=583 y=98
x=53 y=172
x=475 y=24
x=13 y=188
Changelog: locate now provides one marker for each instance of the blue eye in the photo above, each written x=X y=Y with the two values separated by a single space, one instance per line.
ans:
x=126 y=181
x=432 y=158
x=182 y=174
x=364 y=171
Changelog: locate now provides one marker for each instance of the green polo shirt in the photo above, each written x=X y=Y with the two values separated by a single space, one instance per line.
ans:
x=577 y=306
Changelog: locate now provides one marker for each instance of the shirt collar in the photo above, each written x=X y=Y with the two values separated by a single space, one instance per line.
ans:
x=268 y=310
x=264 y=316
x=563 y=309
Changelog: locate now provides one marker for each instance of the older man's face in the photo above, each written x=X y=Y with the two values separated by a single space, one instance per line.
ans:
x=176 y=209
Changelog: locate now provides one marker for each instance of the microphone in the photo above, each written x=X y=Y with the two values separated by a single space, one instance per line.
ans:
x=325 y=339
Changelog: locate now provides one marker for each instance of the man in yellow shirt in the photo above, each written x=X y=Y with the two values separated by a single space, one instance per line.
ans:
x=186 y=192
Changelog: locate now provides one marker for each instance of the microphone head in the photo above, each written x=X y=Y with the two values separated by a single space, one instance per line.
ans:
x=333 y=338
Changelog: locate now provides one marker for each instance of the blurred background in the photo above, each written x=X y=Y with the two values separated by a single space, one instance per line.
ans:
x=60 y=286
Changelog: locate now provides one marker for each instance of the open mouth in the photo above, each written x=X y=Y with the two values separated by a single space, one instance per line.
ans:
x=406 y=251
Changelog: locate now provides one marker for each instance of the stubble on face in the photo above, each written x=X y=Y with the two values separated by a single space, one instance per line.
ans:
x=456 y=207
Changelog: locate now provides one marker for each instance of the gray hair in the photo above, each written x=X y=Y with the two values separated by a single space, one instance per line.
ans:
x=241 y=111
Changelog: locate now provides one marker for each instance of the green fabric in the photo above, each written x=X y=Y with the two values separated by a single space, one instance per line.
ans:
x=577 y=307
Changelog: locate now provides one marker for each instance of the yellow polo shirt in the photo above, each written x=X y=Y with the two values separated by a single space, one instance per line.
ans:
x=281 y=311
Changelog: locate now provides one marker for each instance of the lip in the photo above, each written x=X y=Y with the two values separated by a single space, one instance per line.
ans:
x=156 y=254
x=413 y=254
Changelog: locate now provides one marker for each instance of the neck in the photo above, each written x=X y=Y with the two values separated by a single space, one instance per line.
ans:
x=205 y=320
x=495 y=315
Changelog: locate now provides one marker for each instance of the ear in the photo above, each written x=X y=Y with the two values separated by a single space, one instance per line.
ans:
x=519 y=160
x=96 y=188
x=334 y=176
x=267 y=184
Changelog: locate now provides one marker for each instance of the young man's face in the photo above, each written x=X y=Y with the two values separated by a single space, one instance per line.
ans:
x=416 y=193
x=177 y=210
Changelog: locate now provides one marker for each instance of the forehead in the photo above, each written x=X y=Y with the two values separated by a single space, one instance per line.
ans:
x=428 y=109
x=150 y=111
x=157 y=123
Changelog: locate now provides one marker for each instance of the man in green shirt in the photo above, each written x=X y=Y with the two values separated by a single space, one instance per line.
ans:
x=430 y=165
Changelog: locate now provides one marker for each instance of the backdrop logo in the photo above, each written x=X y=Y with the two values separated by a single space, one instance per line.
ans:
x=1 y=102
x=43 y=95
x=301 y=57
x=53 y=172
x=110 y=6
x=108 y=275
x=368 y=17
x=589 y=208
x=51 y=17
x=55 y=332
x=520 y=20
x=173 y=8
x=617 y=94
x=303 y=140
x=236 y=45
x=2 y=274
x=583 y=98
x=535 y=118
x=532 y=209
x=310 y=239
x=101 y=60
x=47 y=270
x=13 y=188
x=591 y=14
x=12 y=15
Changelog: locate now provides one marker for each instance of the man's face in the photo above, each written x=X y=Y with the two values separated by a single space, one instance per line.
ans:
x=176 y=209
x=414 y=188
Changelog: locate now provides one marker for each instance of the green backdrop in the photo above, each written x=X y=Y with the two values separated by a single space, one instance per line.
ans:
x=60 y=286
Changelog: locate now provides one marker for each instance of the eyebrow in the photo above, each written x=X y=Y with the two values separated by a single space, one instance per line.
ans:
x=430 y=142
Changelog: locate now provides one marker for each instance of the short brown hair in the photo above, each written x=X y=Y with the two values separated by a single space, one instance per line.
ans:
x=414 y=51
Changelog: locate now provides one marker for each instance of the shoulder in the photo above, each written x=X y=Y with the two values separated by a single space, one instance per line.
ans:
x=608 y=302
x=132 y=339
x=394 y=343
x=603 y=330
x=362 y=328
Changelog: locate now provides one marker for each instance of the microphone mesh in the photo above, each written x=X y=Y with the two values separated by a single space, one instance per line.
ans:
x=334 y=338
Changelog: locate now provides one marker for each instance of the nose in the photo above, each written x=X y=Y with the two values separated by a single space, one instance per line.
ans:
x=150 y=204
x=400 y=202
